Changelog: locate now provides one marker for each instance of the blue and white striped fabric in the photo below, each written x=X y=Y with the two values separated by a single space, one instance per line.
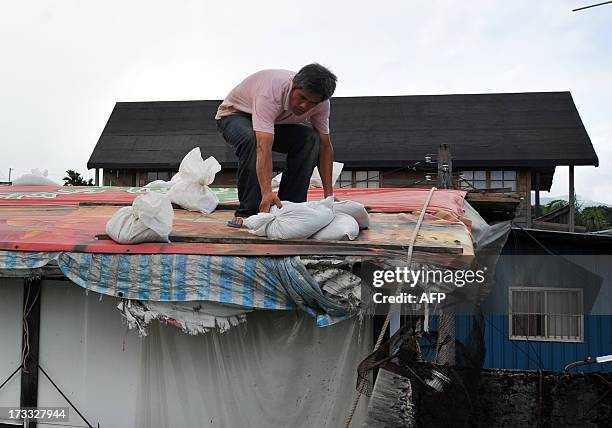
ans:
x=275 y=283
x=23 y=260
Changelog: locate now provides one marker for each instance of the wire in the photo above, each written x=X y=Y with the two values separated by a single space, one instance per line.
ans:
x=513 y=343
x=536 y=241
x=593 y=5
x=25 y=351
x=62 y=393
x=10 y=377
x=412 y=167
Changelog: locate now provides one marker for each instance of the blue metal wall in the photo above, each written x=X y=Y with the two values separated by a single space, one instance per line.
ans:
x=582 y=261
x=501 y=352
x=590 y=273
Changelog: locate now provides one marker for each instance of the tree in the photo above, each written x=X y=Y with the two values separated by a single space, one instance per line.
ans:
x=595 y=218
x=74 y=179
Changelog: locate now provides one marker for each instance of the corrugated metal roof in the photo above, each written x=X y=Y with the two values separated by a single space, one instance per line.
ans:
x=42 y=218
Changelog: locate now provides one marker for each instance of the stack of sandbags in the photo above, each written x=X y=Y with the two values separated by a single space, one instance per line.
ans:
x=293 y=220
x=349 y=218
x=190 y=189
x=321 y=220
x=149 y=219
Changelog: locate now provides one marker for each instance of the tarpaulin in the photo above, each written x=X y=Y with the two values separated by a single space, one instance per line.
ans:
x=392 y=200
x=274 y=283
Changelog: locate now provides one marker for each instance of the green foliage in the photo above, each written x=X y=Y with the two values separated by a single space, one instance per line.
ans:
x=73 y=178
x=593 y=218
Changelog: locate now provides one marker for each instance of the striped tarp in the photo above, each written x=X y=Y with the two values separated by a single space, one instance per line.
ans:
x=274 y=283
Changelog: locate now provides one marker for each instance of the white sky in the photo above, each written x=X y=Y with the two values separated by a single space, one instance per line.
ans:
x=66 y=63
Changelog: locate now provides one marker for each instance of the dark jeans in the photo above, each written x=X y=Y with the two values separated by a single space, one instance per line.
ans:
x=299 y=142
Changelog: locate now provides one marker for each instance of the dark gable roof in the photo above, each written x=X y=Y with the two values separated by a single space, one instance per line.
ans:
x=540 y=129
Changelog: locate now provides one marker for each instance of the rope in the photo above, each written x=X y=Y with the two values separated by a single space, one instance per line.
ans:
x=394 y=307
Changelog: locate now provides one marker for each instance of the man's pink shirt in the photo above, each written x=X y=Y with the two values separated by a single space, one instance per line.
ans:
x=265 y=96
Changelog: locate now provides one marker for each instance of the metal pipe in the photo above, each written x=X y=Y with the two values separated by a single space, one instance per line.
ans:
x=589 y=360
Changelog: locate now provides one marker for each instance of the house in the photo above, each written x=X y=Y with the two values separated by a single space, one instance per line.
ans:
x=285 y=355
x=509 y=141
x=550 y=305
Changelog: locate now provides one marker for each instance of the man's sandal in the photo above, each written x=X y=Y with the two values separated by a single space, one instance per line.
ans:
x=235 y=223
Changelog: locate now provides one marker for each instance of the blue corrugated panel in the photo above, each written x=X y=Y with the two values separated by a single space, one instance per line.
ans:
x=501 y=352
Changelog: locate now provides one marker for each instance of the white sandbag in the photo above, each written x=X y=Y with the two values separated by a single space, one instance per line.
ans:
x=149 y=219
x=293 y=220
x=342 y=227
x=190 y=189
x=36 y=178
x=193 y=196
x=276 y=180
x=159 y=184
x=355 y=210
x=315 y=179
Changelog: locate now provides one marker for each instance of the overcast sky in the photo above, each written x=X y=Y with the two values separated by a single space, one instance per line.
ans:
x=65 y=63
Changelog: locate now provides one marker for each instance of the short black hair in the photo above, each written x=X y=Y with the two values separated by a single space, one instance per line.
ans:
x=316 y=79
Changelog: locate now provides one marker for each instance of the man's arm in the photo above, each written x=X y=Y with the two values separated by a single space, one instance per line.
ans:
x=264 y=171
x=326 y=160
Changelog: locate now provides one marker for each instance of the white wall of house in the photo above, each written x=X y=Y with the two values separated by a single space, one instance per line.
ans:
x=11 y=300
x=278 y=369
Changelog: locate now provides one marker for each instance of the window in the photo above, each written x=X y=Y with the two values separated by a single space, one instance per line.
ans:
x=363 y=179
x=345 y=179
x=503 y=179
x=553 y=314
x=488 y=180
x=149 y=176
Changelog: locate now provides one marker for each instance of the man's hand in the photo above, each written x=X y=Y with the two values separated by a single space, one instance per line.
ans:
x=267 y=201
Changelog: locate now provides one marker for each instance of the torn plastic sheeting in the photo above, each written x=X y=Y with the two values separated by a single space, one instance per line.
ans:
x=336 y=278
x=190 y=317
x=490 y=237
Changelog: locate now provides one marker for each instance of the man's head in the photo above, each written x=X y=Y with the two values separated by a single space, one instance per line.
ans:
x=311 y=85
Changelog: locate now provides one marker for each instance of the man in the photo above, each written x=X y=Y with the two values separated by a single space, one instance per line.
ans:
x=281 y=111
